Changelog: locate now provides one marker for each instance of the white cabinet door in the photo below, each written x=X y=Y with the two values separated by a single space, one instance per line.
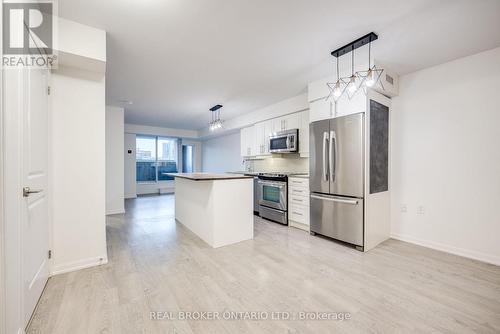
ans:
x=260 y=138
x=292 y=121
x=247 y=142
x=243 y=137
x=355 y=105
x=287 y=122
x=304 y=134
x=320 y=109
x=267 y=130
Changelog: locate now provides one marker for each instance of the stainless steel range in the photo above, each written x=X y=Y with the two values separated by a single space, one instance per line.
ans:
x=273 y=197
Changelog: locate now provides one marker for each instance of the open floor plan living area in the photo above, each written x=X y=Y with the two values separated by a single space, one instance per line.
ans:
x=235 y=166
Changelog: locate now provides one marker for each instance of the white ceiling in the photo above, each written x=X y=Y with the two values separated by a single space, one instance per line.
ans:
x=176 y=58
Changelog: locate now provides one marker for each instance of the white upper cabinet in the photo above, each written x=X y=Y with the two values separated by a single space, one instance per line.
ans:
x=344 y=106
x=287 y=122
x=262 y=132
x=304 y=134
x=320 y=109
x=248 y=142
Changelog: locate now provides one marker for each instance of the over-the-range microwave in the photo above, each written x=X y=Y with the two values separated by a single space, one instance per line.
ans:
x=284 y=141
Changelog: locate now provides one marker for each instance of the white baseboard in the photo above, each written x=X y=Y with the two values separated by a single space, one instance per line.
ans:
x=471 y=254
x=78 y=265
x=130 y=196
x=115 y=211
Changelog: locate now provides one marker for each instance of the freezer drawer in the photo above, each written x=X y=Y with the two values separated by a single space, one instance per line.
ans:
x=337 y=217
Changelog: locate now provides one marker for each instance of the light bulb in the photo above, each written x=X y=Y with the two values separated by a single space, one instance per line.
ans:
x=337 y=91
x=370 y=79
x=352 y=85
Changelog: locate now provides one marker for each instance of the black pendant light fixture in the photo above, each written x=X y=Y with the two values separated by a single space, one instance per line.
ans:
x=215 y=121
x=356 y=80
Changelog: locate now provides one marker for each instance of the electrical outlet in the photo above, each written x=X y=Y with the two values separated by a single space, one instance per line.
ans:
x=420 y=210
x=404 y=209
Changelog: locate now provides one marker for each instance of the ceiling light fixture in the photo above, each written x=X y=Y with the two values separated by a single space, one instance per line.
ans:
x=338 y=87
x=215 y=121
x=360 y=79
x=370 y=77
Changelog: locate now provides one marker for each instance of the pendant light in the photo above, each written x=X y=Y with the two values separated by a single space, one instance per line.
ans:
x=359 y=79
x=215 y=121
x=338 y=87
x=352 y=86
x=370 y=77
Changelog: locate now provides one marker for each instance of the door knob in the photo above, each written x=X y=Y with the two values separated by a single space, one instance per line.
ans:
x=27 y=191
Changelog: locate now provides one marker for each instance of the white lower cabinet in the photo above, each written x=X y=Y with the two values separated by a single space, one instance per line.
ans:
x=298 y=202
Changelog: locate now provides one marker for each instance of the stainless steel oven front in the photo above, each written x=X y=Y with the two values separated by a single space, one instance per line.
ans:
x=273 y=194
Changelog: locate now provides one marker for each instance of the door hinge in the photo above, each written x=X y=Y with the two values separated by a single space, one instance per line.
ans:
x=48 y=90
x=50 y=254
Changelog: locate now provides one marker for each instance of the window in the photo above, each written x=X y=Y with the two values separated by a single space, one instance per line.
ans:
x=155 y=156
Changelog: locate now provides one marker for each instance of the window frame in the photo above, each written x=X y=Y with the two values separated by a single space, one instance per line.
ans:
x=157 y=161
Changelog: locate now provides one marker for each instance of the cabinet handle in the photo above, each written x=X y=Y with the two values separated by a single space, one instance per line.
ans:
x=297 y=213
x=297 y=200
x=298 y=191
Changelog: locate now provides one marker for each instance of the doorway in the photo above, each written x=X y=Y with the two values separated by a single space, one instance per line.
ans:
x=187 y=158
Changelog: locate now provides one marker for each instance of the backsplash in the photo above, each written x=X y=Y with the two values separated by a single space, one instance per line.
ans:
x=275 y=164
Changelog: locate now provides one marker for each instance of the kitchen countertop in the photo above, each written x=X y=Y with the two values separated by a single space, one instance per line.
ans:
x=209 y=176
x=304 y=175
x=301 y=175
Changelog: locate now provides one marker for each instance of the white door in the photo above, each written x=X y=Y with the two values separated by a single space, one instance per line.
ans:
x=34 y=226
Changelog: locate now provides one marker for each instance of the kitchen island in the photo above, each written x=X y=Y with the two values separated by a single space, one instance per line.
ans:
x=218 y=208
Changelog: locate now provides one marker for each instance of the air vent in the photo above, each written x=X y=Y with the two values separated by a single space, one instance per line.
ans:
x=389 y=79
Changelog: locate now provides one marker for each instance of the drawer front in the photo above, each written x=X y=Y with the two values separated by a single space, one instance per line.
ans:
x=298 y=192
x=298 y=200
x=298 y=182
x=299 y=213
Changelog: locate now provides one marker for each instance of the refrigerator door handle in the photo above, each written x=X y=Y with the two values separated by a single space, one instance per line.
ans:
x=325 y=167
x=337 y=200
x=333 y=155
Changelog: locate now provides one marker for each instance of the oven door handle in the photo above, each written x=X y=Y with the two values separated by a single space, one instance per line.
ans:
x=273 y=184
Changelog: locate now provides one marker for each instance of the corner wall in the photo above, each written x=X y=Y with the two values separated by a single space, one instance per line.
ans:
x=115 y=160
x=78 y=169
x=445 y=157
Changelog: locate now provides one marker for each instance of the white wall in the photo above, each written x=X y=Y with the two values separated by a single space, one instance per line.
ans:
x=78 y=169
x=130 y=177
x=115 y=160
x=222 y=154
x=446 y=157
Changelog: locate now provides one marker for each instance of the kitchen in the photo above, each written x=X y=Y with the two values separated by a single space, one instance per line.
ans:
x=253 y=167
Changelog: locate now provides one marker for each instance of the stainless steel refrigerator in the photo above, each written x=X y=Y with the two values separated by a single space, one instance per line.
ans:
x=337 y=156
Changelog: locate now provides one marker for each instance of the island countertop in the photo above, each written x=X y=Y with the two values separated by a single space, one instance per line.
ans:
x=209 y=176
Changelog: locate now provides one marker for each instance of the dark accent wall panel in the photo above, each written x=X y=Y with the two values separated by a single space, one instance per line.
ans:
x=379 y=147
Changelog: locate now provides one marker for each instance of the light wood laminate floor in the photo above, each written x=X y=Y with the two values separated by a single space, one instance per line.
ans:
x=155 y=264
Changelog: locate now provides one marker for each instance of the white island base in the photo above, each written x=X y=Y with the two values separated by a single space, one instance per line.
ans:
x=219 y=211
